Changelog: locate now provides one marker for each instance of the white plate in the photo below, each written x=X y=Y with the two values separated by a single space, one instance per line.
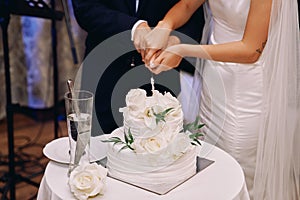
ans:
x=58 y=149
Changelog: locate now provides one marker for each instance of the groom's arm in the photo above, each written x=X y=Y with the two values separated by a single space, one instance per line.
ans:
x=98 y=18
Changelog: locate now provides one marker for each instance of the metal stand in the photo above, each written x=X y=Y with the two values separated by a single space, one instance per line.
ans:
x=43 y=11
x=55 y=70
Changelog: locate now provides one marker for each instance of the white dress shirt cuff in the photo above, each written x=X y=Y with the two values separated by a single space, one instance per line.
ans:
x=135 y=26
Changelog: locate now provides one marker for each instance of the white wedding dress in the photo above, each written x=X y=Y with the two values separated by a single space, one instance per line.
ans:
x=252 y=111
x=231 y=99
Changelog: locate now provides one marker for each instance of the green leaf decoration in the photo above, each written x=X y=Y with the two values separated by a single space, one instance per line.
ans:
x=128 y=141
x=114 y=140
x=193 y=129
x=161 y=115
x=126 y=138
x=131 y=140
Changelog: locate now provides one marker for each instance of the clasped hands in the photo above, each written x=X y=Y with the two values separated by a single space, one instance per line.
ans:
x=159 y=50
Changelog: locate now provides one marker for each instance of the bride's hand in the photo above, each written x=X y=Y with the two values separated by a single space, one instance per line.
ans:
x=156 y=40
x=168 y=59
x=173 y=40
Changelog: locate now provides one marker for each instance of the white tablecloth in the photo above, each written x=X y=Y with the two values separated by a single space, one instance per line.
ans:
x=222 y=180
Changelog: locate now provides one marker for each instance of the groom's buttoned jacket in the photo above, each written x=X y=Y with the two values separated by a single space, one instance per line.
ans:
x=102 y=19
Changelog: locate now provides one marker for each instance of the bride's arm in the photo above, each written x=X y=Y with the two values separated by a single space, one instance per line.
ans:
x=246 y=50
x=251 y=46
x=177 y=16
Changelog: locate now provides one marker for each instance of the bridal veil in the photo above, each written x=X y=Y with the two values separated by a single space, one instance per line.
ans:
x=277 y=165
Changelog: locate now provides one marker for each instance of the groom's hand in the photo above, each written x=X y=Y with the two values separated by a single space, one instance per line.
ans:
x=138 y=38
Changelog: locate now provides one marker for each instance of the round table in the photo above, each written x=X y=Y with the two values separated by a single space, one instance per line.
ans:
x=224 y=179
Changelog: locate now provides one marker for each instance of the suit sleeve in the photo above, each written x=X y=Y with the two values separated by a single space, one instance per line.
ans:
x=97 y=18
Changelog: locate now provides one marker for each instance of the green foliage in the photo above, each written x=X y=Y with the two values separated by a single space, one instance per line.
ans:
x=128 y=141
x=194 y=130
x=161 y=116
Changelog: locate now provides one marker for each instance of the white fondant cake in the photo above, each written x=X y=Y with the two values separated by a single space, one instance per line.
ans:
x=160 y=155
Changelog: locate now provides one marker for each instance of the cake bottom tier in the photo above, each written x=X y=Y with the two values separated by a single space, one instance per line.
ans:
x=159 y=179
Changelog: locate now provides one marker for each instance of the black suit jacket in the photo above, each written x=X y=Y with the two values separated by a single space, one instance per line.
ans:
x=102 y=19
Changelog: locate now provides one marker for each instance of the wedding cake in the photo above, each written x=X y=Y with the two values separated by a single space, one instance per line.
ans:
x=151 y=150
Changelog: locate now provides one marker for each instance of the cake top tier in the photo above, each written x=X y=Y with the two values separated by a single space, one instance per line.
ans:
x=154 y=125
x=157 y=118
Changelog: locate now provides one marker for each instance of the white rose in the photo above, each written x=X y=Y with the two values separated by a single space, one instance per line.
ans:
x=157 y=109
x=179 y=145
x=156 y=97
x=87 y=180
x=135 y=100
x=154 y=144
x=149 y=118
x=169 y=101
x=137 y=145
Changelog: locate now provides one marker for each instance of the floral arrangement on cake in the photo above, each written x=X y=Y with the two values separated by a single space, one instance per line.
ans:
x=152 y=123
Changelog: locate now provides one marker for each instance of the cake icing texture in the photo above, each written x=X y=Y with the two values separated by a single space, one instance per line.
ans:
x=150 y=150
